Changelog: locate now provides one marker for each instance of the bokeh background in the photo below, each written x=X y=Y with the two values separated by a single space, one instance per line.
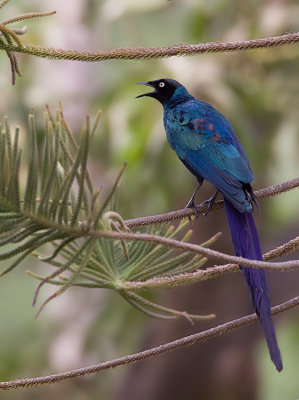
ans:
x=259 y=92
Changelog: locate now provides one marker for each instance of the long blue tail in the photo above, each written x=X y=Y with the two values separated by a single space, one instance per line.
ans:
x=246 y=243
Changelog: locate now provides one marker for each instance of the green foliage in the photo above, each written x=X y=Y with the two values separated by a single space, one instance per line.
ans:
x=49 y=197
x=61 y=208
x=114 y=264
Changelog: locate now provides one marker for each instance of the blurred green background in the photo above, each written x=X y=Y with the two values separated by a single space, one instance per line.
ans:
x=259 y=92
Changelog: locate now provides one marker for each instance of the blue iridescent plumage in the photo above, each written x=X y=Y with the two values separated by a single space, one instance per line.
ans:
x=206 y=143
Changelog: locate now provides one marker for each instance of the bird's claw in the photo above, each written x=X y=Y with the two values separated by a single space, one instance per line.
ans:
x=191 y=203
x=209 y=203
x=193 y=207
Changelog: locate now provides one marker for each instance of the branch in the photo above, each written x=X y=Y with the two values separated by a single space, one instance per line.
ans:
x=283 y=249
x=9 y=35
x=28 y=16
x=188 y=212
x=153 y=352
x=60 y=207
x=143 y=53
x=172 y=243
x=209 y=273
x=84 y=232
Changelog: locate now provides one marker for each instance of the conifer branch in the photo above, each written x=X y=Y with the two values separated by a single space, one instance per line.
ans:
x=209 y=253
x=10 y=36
x=209 y=273
x=143 y=53
x=12 y=44
x=61 y=208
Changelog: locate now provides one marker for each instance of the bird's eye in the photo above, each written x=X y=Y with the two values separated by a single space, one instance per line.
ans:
x=161 y=84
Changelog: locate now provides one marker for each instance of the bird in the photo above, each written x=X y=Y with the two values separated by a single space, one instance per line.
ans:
x=206 y=143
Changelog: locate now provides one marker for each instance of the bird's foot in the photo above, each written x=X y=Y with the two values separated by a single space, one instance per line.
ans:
x=209 y=203
x=192 y=206
x=191 y=203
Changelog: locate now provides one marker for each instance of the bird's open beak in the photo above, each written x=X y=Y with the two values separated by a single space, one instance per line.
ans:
x=146 y=94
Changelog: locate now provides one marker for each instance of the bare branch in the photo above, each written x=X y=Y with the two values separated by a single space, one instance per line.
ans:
x=188 y=212
x=182 y=279
x=153 y=352
x=286 y=248
x=209 y=273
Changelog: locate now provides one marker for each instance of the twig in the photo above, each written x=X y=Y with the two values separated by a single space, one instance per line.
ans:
x=11 y=34
x=153 y=352
x=209 y=273
x=282 y=250
x=3 y=2
x=209 y=253
x=27 y=16
x=143 y=53
x=181 y=279
x=188 y=212
x=84 y=231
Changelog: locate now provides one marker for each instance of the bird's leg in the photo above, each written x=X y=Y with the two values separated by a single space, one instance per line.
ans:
x=209 y=203
x=191 y=203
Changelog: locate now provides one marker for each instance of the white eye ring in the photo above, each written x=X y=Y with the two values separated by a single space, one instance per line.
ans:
x=161 y=84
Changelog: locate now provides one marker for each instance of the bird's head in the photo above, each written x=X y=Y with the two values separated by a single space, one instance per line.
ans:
x=164 y=89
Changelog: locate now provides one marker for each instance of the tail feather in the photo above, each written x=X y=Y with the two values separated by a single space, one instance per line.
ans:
x=246 y=243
